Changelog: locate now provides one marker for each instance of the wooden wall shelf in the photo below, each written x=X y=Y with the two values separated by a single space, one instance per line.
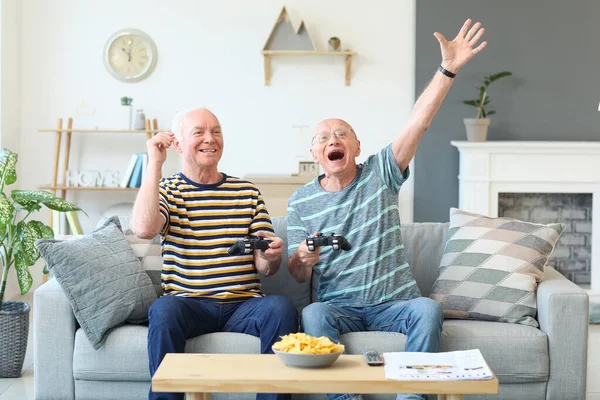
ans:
x=102 y=131
x=267 y=54
x=61 y=187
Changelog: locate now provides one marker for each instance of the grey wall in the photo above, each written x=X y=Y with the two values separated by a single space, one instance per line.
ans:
x=553 y=49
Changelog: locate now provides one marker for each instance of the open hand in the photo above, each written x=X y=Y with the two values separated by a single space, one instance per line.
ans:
x=457 y=52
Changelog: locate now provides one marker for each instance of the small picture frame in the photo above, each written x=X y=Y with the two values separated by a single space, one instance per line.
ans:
x=308 y=168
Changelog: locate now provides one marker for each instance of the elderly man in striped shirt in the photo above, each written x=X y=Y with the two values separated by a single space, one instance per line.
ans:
x=200 y=212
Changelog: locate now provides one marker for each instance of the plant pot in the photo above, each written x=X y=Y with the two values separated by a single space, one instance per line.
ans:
x=127 y=117
x=334 y=45
x=477 y=129
x=14 y=320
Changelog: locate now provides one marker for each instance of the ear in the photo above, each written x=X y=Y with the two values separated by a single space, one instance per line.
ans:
x=358 y=148
x=177 y=145
x=314 y=156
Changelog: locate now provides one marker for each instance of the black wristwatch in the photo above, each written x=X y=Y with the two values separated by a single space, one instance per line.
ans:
x=446 y=72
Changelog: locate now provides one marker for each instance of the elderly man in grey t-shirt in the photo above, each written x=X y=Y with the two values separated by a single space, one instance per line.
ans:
x=371 y=286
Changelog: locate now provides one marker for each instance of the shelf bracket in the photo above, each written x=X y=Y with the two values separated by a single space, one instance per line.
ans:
x=348 y=68
x=267 y=70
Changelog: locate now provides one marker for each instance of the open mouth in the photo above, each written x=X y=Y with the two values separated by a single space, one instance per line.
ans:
x=208 y=151
x=335 y=155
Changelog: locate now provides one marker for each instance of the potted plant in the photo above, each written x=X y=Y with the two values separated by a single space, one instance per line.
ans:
x=334 y=43
x=477 y=127
x=17 y=238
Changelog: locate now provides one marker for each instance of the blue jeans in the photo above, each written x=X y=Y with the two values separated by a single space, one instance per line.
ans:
x=174 y=319
x=419 y=319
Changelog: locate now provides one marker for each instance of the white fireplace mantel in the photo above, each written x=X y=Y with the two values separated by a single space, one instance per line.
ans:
x=489 y=168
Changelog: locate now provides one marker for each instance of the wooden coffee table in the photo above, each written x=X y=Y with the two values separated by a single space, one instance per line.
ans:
x=198 y=375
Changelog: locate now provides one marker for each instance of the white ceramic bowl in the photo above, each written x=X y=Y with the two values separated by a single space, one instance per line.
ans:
x=307 y=360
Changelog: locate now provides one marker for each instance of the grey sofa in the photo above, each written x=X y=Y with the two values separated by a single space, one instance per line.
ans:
x=547 y=363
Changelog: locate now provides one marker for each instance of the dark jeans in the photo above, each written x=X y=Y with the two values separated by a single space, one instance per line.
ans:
x=174 y=320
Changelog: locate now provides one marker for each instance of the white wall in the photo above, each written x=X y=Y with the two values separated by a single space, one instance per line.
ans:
x=209 y=54
x=10 y=134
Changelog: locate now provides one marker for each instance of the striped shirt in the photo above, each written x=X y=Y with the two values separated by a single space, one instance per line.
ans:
x=366 y=213
x=201 y=223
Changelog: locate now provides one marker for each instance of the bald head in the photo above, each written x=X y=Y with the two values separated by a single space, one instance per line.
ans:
x=185 y=118
x=331 y=125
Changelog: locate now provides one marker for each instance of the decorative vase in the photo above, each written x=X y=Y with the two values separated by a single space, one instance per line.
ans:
x=477 y=129
x=140 y=120
x=127 y=114
x=334 y=44
x=14 y=320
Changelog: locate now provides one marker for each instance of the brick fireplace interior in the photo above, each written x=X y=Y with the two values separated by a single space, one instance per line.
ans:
x=572 y=254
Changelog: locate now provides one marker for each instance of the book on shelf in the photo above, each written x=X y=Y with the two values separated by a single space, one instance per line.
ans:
x=129 y=171
x=136 y=175
x=135 y=172
x=144 y=166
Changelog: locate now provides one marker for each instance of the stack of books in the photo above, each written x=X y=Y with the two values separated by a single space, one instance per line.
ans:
x=134 y=174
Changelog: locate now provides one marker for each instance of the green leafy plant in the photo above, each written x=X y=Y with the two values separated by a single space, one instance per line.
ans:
x=334 y=38
x=17 y=237
x=126 y=101
x=484 y=99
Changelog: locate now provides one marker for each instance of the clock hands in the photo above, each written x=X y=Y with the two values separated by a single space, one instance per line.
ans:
x=129 y=42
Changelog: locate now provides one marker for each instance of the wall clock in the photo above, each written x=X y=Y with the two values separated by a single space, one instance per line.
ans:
x=130 y=55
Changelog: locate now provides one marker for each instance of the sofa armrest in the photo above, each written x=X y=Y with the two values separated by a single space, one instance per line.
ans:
x=54 y=327
x=563 y=309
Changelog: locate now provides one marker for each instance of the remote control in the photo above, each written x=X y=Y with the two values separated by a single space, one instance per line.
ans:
x=373 y=358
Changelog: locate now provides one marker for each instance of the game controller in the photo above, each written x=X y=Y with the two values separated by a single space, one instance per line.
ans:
x=336 y=241
x=245 y=246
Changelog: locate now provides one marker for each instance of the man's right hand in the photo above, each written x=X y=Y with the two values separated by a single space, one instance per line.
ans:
x=157 y=146
x=306 y=257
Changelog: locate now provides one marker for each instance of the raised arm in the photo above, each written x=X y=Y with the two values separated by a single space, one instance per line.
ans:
x=455 y=54
x=146 y=219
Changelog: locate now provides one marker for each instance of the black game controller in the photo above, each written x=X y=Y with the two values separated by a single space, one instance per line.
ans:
x=245 y=246
x=336 y=241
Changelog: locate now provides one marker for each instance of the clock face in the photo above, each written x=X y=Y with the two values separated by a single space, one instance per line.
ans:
x=130 y=55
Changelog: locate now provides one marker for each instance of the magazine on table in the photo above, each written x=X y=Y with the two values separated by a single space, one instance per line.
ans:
x=453 y=365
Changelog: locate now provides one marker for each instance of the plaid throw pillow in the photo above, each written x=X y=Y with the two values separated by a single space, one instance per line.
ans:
x=491 y=267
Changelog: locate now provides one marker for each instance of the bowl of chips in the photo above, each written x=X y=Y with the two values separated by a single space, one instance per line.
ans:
x=305 y=351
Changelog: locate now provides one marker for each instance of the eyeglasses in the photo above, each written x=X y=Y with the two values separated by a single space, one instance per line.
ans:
x=325 y=136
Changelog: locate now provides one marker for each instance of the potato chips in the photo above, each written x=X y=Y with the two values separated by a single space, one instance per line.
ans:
x=301 y=343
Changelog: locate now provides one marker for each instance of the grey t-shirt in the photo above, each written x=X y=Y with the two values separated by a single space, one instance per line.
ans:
x=366 y=213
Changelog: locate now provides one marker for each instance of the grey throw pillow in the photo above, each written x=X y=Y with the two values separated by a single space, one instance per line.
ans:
x=102 y=278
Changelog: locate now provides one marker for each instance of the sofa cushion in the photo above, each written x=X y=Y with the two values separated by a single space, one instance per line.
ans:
x=491 y=267
x=102 y=278
x=424 y=246
x=149 y=252
x=282 y=282
x=124 y=354
x=516 y=353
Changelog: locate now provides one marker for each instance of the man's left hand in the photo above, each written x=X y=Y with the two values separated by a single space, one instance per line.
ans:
x=273 y=253
x=457 y=52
